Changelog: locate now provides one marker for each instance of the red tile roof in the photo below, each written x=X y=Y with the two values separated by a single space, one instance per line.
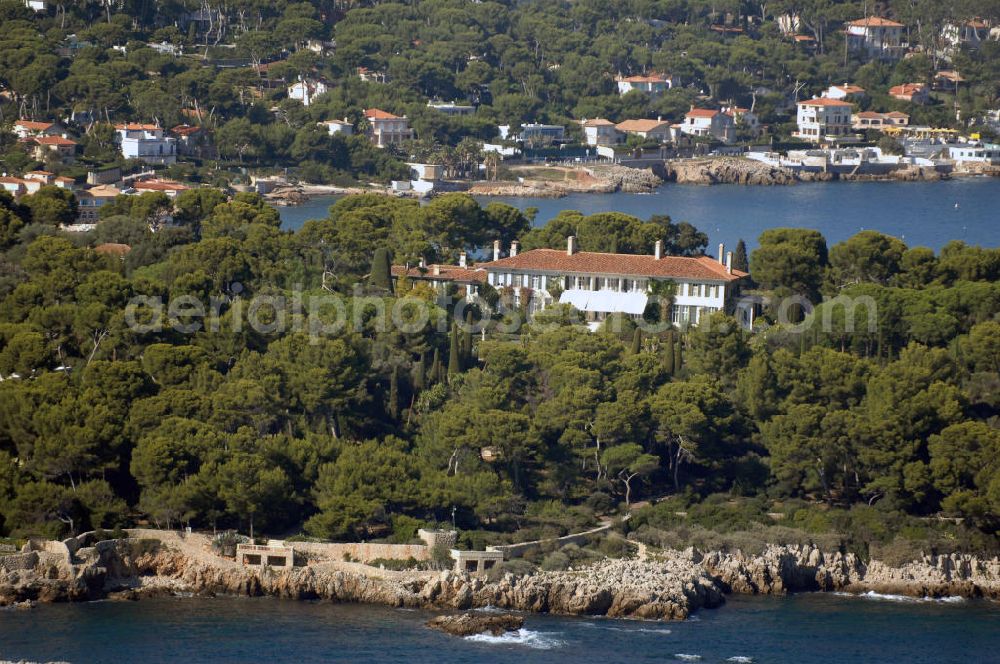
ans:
x=185 y=130
x=598 y=122
x=651 y=78
x=849 y=89
x=641 y=125
x=54 y=140
x=906 y=89
x=875 y=22
x=445 y=273
x=701 y=113
x=640 y=265
x=379 y=114
x=31 y=124
x=825 y=101
x=159 y=185
x=135 y=126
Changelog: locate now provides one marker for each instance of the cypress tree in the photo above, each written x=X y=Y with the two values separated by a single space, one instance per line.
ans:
x=435 y=367
x=381 y=275
x=740 y=260
x=420 y=375
x=394 y=393
x=668 y=353
x=454 y=364
x=636 y=341
x=678 y=357
x=467 y=339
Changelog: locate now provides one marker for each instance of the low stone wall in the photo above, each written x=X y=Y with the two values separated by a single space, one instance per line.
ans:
x=520 y=549
x=361 y=552
x=57 y=548
x=15 y=561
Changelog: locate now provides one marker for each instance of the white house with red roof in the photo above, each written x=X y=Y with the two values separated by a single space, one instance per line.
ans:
x=46 y=146
x=30 y=128
x=657 y=130
x=709 y=122
x=384 y=128
x=916 y=93
x=146 y=142
x=601 y=132
x=876 y=37
x=845 y=92
x=823 y=119
x=652 y=84
x=306 y=91
x=601 y=284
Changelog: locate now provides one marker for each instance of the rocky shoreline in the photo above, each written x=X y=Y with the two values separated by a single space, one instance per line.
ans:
x=668 y=586
x=740 y=170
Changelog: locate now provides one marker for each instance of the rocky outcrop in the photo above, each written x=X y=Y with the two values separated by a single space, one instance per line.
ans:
x=728 y=170
x=467 y=624
x=781 y=569
x=631 y=180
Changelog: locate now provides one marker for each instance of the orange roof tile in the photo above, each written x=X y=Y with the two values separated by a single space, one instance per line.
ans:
x=875 y=22
x=651 y=78
x=598 y=122
x=185 y=130
x=54 y=140
x=31 y=124
x=160 y=185
x=135 y=126
x=379 y=114
x=701 y=113
x=825 y=101
x=640 y=265
x=641 y=125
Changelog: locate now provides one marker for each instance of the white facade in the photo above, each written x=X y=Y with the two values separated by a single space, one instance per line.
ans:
x=338 y=127
x=981 y=154
x=146 y=143
x=387 y=129
x=876 y=37
x=709 y=122
x=306 y=91
x=599 y=285
x=822 y=119
x=601 y=132
x=653 y=85
x=451 y=108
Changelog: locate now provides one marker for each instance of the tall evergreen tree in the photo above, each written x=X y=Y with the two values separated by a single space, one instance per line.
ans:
x=420 y=374
x=668 y=352
x=636 y=341
x=454 y=352
x=678 y=357
x=394 y=393
x=381 y=274
x=740 y=260
x=467 y=339
x=435 y=368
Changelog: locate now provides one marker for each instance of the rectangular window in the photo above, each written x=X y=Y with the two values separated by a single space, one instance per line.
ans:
x=536 y=281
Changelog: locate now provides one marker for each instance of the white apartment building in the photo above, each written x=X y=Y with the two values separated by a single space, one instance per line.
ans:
x=343 y=127
x=600 y=284
x=306 y=91
x=146 y=143
x=822 y=119
x=385 y=129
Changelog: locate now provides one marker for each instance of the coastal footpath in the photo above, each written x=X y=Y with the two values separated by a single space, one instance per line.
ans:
x=663 y=585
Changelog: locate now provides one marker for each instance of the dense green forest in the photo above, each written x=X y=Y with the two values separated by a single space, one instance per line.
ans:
x=539 y=61
x=370 y=430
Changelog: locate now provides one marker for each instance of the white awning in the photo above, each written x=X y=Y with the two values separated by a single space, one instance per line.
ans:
x=605 y=301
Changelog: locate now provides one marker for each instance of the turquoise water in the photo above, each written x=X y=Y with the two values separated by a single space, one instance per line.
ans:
x=920 y=213
x=802 y=629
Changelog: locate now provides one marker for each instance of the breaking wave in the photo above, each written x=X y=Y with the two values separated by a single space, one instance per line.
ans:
x=882 y=597
x=522 y=637
x=687 y=658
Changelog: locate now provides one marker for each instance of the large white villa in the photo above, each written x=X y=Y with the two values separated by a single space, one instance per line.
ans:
x=600 y=284
x=596 y=284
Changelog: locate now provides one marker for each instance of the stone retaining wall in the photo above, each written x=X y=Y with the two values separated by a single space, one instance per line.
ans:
x=361 y=552
x=15 y=561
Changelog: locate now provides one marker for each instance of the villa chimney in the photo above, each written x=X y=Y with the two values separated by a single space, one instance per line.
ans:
x=423 y=262
x=514 y=247
x=437 y=270
x=496 y=250
x=571 y=245
x=729 y=262
x=461 y=259
x=722 y=254
x=658 y=249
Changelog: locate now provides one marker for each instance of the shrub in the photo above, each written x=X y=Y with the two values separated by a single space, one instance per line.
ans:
x=555 y=562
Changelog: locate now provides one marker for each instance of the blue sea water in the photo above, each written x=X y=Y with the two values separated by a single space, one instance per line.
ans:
x=920 y=213
x=800 y=629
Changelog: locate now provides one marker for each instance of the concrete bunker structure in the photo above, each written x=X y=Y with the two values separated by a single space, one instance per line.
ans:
x=272 y=554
